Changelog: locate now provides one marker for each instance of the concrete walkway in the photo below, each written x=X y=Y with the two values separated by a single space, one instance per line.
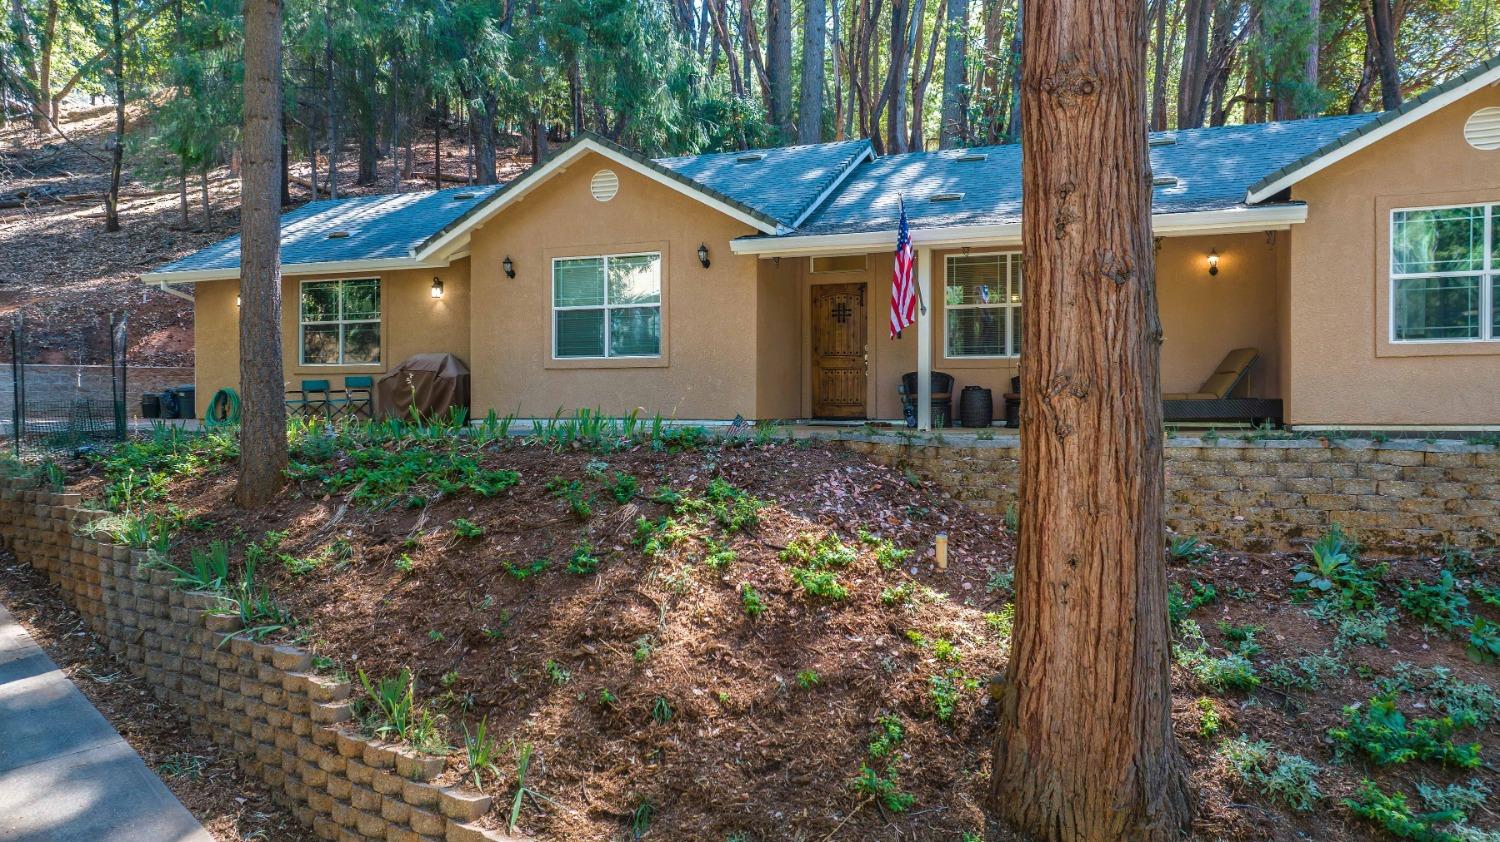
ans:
x=65 y=774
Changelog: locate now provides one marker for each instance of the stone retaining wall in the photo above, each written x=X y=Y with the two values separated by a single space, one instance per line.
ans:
x=1260 y=495
x=287 y=725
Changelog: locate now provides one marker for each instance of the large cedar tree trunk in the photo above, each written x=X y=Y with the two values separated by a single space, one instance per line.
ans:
x=1385 y=39
x=1085 y=749
x=263 y=447
x=814 y=41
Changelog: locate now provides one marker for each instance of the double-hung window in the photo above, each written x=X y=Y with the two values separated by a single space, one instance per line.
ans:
x=339 y=322
x=982 y=304
x=1445 y=274
x=608 y=306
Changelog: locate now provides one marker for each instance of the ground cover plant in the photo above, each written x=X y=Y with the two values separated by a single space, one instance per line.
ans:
x=748 y=639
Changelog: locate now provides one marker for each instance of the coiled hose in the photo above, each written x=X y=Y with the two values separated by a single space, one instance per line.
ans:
x=223 y=410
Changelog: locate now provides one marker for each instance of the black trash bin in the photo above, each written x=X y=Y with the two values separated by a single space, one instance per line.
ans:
x=186 y=398
x=150 y=405
x=976 y=407
x=168 y=401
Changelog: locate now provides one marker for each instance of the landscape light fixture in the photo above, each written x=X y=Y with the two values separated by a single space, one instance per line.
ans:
x=508 y=266
x=437 y=287
x=703 y=254
x=1213 y=261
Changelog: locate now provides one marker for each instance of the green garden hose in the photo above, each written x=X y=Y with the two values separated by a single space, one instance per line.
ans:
x=223 y=410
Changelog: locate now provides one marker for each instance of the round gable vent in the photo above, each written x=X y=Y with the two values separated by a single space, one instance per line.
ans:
x=1482 y=130
x=604 y=185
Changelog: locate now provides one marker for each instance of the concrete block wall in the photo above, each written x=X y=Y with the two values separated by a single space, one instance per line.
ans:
x=287 y=725
x=1260 y=495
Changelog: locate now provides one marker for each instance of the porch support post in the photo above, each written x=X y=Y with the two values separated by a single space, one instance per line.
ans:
x=924 y=339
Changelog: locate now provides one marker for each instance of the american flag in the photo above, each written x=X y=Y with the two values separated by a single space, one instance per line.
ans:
x=903 y=286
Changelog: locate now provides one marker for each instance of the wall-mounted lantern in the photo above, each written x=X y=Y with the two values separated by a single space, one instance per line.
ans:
x=703 y=254
x=437 y=287
x=508 y=266
x=236 y=300
x=1213 y=261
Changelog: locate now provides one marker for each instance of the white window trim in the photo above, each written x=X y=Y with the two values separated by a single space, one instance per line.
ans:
x=1487 y=277
x=606 y=306
x=1010 y=307
x=341 y=322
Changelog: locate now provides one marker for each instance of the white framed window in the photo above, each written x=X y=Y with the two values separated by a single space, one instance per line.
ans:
x=338 y=322
x=1445 y=274
x=607 y=306
x=982 y=305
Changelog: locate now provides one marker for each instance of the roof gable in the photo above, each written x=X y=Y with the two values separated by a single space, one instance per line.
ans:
x=1379 y=126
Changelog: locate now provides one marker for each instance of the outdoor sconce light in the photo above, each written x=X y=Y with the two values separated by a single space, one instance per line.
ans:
x=703 y=254
x=236 y=301
x=1213 y=261
x=437 y=287
x=508 y=266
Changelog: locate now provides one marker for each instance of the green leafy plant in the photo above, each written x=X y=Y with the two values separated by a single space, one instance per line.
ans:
x=751 y=600
x=808 y=679
x=1484 y=641
x=465 y=528
x=884 y=787
x=1305 y=673
x=1189 y=548
x=583 y=561
x=1365 y=627
x=1334 y=575
x=556 y=672
x=481 y=751
x=945 y=688
x=813 y=562
x=1209 y=722
x=661 y=710
x=526 y=571
x=1379 y=731
x=1289 y=778
x=1180 y=604
x=1438 y=604
x=622 y=487
x=571 y=492
x=1396 y=816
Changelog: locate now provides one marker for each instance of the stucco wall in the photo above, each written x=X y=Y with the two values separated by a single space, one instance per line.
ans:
x=708 y=363
x=412 y=322
x=1343 y=368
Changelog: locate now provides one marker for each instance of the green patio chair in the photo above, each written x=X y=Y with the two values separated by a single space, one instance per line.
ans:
x=359 y=397
x=313 y=399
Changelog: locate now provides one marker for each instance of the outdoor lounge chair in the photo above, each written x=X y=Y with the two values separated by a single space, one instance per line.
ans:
x=1213 y=401
x=313 y=400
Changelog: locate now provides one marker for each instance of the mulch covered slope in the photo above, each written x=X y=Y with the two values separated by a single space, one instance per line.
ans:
x=659 y=708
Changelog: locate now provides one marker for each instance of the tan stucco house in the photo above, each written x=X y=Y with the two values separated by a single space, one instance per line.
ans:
x=1359 y=255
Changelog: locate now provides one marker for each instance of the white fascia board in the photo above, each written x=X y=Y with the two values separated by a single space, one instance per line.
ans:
x=1229 y=221
x=1337 y=154
x=866 y=156
x=388 y=264
x=559 y=163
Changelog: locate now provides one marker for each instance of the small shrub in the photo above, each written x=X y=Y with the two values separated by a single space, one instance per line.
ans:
x=405 y=564
x=556 y=673
x=1455 y=797
x=808 y=679
x=819 y=583
x=480 y=748
x=1438 y=604
x=571 y=492
x=1484 y=641
x=1208 y=718
x=945 y=689
x=465 y=528
x=751 y=601
x=622 y=487
x=1334 y=575
x=1392 y=813
x=1305 y=673
x=1289 y=778
x=1189 y=548
x=1001 y=580
x=1180 y=604
x=1380 y=732
x=583 y=561
x=523 y=572
x=661 y=710
x=884 y=787
x=1365 y=627
x=899 y=594
x=718 y=557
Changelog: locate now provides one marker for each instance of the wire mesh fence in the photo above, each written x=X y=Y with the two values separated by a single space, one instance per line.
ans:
x=47 y=417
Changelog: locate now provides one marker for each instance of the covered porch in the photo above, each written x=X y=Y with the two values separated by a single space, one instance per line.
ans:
x=1221 y=299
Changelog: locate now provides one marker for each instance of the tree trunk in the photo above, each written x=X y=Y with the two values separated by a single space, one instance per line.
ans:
x=330 y=110
x=954 y=129
x=1159 y=68
x=779 y=66
x=814 y=39
x=1191 y=91
x=484 y=136
x=1385 y=40
x=1085 y=749
x=182 y=193
x=895 y=79
x=286 y=162
x=921 y=77
x=1310 y=72
x=263 y=446
x=208 y=208
x=117 y=145
x=1015 y=118
x=43 y=104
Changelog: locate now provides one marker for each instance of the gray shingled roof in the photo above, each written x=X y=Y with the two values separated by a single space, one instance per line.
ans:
x=781 y=183
x=1213 y=168
x=1379 y=120
x=379 y=227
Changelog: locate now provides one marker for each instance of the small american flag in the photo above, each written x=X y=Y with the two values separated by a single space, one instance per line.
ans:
x=903 y=286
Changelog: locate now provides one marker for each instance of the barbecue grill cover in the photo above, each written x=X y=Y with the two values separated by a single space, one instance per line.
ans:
x=430 y=383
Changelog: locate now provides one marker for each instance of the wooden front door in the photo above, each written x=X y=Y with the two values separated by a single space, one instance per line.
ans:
x=839 y=351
